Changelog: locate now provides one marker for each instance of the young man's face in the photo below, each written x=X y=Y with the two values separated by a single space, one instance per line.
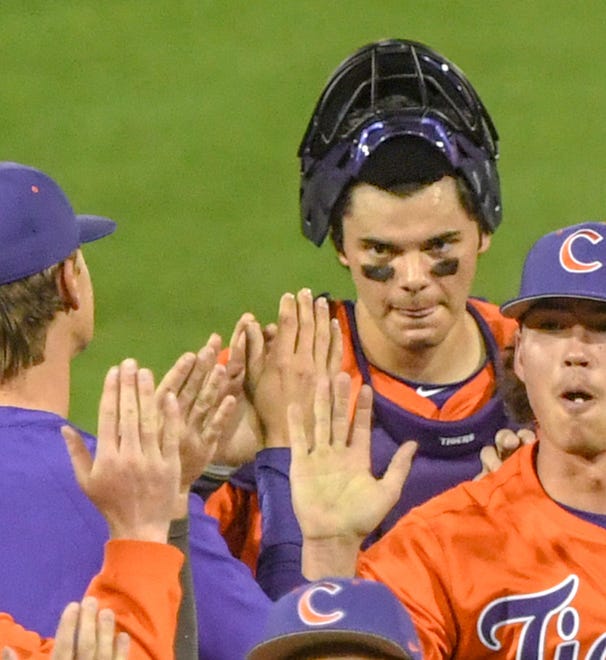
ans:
x=413 y=260
x=561 y=358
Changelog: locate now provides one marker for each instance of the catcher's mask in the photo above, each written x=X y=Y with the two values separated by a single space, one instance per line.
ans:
x=430 y=98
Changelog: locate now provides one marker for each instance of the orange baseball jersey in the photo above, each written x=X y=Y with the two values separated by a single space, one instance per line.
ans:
x=140 y=582
x=496 y=569
x=450 y=436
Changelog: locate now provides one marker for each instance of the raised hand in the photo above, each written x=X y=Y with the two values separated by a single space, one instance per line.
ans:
x=205 y=408
x=336 y=498
x=241 y=439
x=307 y=345
x=134 y=477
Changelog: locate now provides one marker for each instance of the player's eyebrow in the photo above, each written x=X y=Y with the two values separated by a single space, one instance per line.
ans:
x=446 y=237
x=369 y=241
x=427 y=244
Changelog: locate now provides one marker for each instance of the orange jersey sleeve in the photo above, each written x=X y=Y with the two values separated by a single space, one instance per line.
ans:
x=25 y=643
x=139 y=581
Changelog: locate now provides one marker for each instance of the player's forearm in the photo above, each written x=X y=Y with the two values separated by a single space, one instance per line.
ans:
x=329 y=557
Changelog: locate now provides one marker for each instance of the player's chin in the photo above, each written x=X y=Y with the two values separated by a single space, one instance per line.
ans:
x=417 y=344
x=424 y=330
x=417 y=339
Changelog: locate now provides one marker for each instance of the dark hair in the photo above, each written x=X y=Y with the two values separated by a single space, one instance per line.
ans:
x=402 y=190
x=513 y=390
x=350 y=648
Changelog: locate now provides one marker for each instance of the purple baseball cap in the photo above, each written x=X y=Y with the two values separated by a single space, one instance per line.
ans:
x=335 y=610
x=38 y=227
x=567 y=263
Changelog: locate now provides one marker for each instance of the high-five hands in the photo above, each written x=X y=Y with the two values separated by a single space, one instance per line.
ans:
x=307 y=346
x=205 y=410
x=134 y=477
x=336 y=498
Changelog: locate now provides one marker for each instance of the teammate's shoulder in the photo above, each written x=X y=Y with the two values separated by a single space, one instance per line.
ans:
x=342 y=311
x=497 y=489
x=487 y=309
x=501 y=327
x=337 y=307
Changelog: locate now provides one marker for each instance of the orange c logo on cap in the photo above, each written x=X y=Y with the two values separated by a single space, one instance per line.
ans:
x=567 y=259
x=309 y=614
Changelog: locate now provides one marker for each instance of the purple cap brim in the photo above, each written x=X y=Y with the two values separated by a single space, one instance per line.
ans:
x=290 y=644
x=517 y=308
x=94 y=227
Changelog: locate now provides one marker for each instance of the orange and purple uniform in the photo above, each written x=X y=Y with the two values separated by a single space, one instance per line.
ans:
x=495 y=568
x=450 y=433
x=139 y=581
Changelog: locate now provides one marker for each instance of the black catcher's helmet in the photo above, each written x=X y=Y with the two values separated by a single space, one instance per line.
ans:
x=431 y=99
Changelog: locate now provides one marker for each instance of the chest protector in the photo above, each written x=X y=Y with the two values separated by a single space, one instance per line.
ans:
x=448 y=451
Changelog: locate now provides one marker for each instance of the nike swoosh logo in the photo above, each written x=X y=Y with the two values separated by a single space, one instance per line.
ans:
x=421 y=391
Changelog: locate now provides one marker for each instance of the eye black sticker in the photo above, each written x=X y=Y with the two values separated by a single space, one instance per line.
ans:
x=378 y=273
x=383 y=273
x=445 y=267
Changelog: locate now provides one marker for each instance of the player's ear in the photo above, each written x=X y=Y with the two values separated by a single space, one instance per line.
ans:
x=518 y=356
x=67 y=283
x=343 y=260
x=485 y=240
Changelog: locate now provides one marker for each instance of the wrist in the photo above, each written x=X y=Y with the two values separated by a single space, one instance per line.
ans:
x=181 y=506
x=330 y=557
x=275 y=441
x=275 y=436
x=154 y=532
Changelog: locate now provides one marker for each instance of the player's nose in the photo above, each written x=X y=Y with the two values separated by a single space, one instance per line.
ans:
x=412 y=271
x=578 y=346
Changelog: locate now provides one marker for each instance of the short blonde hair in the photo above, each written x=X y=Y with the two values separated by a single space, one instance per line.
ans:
x=27 y=308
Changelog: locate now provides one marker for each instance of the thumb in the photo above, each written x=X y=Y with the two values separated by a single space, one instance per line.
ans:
x=82 y=461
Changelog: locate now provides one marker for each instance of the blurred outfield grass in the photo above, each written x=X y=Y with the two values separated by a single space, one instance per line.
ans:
x=181 y=120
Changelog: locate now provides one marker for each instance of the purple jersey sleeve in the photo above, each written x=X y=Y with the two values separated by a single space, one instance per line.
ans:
x=279 y=563
x=231 y=607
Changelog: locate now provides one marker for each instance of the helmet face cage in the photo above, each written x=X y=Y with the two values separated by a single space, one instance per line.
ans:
x=434 y=101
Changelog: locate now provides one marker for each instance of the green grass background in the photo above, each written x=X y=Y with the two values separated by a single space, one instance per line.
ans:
x=181 y=121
